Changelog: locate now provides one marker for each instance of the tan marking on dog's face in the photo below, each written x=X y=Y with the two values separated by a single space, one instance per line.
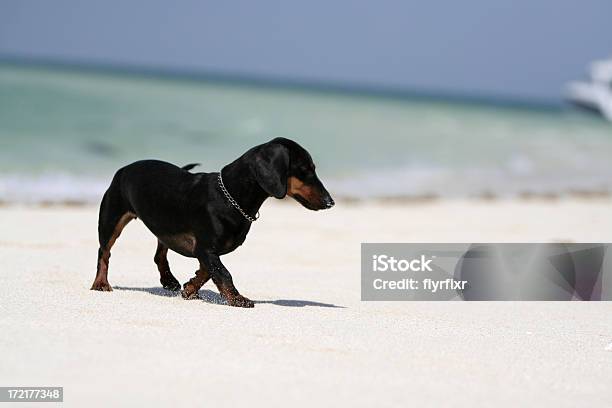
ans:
x=295 y=186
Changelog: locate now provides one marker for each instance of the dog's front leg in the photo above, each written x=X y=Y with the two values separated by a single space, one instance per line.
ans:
x=223 y=280
x=191 y=288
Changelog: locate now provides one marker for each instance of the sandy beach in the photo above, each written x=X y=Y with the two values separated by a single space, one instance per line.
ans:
x=309 y=341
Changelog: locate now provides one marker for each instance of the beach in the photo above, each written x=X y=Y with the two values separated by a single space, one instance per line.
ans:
x=309 y=341
x=468 y=158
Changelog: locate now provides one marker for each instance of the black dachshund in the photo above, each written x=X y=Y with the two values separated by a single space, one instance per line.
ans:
x=204 y=215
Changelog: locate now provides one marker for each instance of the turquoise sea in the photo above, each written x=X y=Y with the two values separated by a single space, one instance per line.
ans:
x=64 y=132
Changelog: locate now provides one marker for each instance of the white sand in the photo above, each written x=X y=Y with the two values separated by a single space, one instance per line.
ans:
x=311 y=342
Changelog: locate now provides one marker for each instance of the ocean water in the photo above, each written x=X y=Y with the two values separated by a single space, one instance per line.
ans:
x=64 y=133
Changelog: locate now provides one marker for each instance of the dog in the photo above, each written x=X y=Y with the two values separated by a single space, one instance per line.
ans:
x=204 y=215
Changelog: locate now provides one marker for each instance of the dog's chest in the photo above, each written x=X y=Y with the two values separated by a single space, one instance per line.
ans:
x=230 y=242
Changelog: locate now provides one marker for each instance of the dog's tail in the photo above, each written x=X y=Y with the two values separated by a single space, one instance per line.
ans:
x=190 y=166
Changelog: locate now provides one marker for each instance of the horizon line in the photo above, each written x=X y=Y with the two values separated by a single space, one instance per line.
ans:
x=278 y=83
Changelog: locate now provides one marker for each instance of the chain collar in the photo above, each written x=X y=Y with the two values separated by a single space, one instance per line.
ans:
x=234 y=203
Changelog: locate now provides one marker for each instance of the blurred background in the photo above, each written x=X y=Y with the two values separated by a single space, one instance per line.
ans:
x=392 y=98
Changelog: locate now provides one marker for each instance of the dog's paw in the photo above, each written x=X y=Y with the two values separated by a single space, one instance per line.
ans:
x=189 y=292
x=170 y=284
x=241 y=301
x=102 y=286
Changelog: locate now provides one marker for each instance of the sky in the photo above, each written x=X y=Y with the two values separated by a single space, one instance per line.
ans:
x=511 y=48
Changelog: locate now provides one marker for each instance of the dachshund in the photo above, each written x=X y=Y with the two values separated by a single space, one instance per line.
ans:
x=204 y=215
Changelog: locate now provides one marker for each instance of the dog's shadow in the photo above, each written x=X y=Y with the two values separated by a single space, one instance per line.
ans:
x=209 y=296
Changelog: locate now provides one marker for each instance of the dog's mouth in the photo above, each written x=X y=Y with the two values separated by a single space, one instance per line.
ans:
x=321 y=205
x=306 y=203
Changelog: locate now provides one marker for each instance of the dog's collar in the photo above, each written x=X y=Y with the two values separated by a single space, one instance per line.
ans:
x=233 y=202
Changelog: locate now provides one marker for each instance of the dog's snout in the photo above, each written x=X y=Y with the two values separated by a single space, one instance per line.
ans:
x=329 y=202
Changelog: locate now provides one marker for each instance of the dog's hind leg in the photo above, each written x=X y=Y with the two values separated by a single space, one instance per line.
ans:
x=166 y=278
x=113 y=218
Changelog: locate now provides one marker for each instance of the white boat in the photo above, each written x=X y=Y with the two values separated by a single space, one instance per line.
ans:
x=595 y=94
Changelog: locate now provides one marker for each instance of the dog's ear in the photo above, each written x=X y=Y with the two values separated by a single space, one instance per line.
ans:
x=271 y=166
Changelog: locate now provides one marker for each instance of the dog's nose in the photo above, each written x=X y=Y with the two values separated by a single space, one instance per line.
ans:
x=329 y=202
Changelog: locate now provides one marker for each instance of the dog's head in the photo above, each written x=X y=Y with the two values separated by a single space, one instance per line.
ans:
x=283 y=167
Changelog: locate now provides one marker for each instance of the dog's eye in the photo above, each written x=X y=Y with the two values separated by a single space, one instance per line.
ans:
x=307 y=168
